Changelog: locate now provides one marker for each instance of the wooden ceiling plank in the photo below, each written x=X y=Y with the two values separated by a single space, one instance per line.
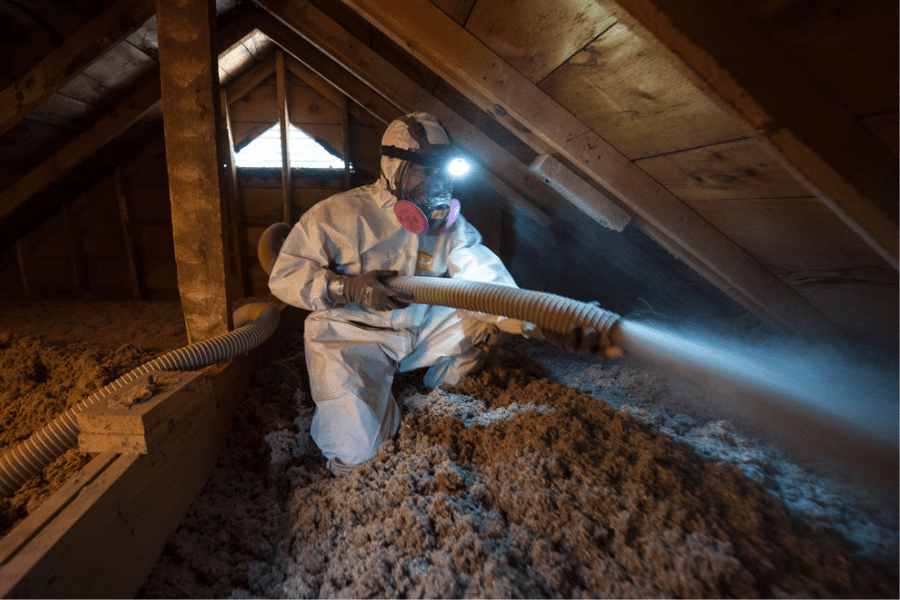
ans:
x=76 y=54
x=491 y=83
x=191 y=114
x=251 y=79
x=793 y=114
x=104 y=130
x=536 y=36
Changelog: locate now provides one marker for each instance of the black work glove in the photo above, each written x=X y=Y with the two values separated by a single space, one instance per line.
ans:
x=577 y=339
x=369 y=290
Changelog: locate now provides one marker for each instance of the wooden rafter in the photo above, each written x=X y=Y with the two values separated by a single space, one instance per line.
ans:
x=355 y=88
x=284 y=122
x=75 y=54
x=537 y=119
x=790 y=111
x=236 y=212
x=251 y=79
x=145 y=97
x=138 y=287
x=191 y=114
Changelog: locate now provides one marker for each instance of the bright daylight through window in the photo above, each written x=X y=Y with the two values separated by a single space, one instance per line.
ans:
x=305 y=152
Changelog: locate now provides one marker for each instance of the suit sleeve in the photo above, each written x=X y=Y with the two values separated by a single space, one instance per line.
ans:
x=300 y=275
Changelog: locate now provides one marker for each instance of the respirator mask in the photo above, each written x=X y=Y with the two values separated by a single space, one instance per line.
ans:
x=425 y=186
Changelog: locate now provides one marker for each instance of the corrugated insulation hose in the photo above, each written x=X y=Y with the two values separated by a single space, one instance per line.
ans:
x=254 y=324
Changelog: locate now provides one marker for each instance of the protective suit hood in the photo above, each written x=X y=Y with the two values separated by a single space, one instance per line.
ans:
x=422 y=188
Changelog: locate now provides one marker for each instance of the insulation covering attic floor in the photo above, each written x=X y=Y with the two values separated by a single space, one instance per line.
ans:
x=542 y=475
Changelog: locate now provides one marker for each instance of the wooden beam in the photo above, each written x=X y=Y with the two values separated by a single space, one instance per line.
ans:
x=537 y=119
x=138 y=288
x=145 y=97
x=345 y=138
x=284 y=121
x=251 y=79
x=236 y=207
x=26 y=268
x=67 y=61
x=321 y=64
x=76 y=249
x=795 y=116
x=101 y=533
x=332 y=94
x=191 y=116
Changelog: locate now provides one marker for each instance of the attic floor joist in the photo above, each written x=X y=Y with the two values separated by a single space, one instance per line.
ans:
x=488 y=81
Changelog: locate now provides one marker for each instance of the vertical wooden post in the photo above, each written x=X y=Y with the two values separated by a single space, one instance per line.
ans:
x=190 y=95
x=236 y=212
x=138 y=289
x=345 y=129
x=284 y=119
x=76 y=249
x=26 y=268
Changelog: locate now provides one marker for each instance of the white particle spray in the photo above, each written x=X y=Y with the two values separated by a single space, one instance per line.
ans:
x=820 y=397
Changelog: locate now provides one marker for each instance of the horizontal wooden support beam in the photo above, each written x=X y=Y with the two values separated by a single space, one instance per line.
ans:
x=102 y=532
x=67 y=61
x=139 y=416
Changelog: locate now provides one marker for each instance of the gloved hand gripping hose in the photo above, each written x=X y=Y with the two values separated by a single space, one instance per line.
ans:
x=47 y=444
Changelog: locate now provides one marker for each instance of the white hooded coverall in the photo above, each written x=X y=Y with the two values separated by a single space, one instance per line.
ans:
x=352 y=352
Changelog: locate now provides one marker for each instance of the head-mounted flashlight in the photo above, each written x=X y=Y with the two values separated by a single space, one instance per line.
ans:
x=445 y=157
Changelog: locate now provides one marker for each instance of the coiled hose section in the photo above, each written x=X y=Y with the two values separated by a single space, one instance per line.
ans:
x=47 y=444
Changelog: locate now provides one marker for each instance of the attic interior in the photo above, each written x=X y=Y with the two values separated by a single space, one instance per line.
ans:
x=727 y=172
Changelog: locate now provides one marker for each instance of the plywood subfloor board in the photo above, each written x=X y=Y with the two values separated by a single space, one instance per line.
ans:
x=76 y=54
x=82 y=540
x=72 y=154
x=537 y=119
x=791 y=112
x=320 y=64
x=734 y=169
x=629 y=94
x=190 y=92
x=865 y=312
x=536 y=36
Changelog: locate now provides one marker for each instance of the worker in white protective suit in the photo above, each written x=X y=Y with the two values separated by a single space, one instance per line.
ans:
x=335 y=261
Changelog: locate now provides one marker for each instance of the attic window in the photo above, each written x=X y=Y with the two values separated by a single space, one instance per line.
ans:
x=305 y=152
